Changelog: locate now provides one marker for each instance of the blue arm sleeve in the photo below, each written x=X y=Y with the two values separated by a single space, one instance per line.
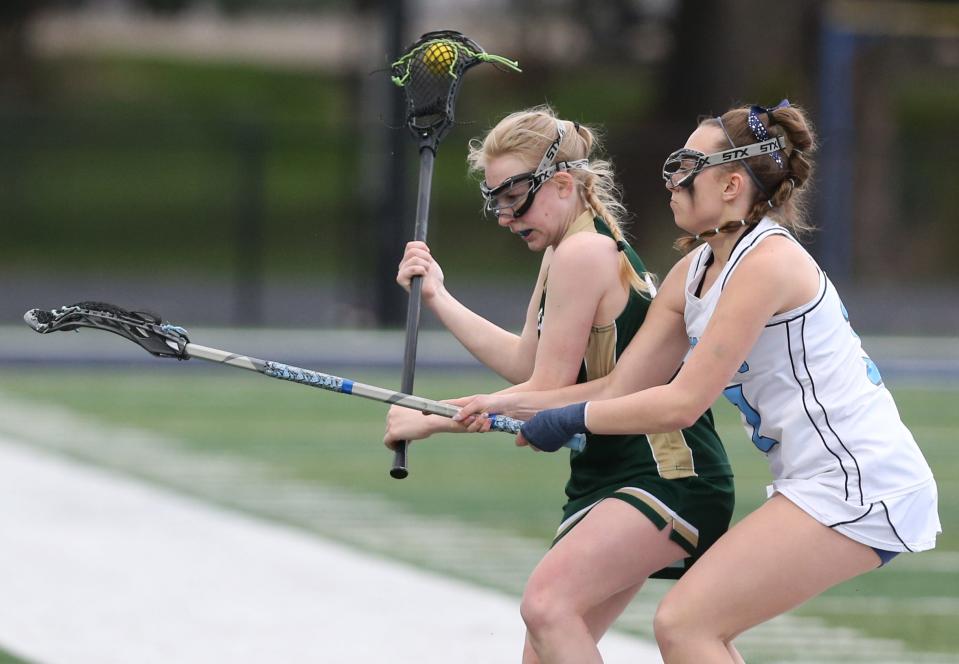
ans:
x=549 y=429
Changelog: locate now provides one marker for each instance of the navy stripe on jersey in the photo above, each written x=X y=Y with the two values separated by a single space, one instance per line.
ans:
x=786 y=234
x=699 y=259
x=889 y=521
x=809 y=309
x=799 y=348
x=732 y=264
x=825 y=415
x=858 y=518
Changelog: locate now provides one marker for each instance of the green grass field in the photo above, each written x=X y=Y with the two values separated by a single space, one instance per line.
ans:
x=332 y=440
x=7 y=658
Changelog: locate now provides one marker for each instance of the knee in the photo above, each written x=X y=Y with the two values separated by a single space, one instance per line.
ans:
x=541 y=611
x=686 y=629
x=672 y=626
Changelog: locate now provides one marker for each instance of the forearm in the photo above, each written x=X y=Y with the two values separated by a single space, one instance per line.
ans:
x=495 y=347
x=548 y=381
x=523 y=405
x=442 y=424
x=657 y=410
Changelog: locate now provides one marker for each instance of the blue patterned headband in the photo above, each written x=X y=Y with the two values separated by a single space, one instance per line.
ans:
x=759 y=130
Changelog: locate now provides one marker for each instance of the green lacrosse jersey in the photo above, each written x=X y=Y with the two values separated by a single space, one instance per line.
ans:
x=610 y=463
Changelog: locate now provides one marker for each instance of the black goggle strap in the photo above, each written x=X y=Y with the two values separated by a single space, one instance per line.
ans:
x=759 y=185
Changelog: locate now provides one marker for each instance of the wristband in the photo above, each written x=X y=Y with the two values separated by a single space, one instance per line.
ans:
x=549 y=429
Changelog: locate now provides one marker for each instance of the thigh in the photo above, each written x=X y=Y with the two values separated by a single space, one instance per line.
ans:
x=770 y=562
x=613 y=549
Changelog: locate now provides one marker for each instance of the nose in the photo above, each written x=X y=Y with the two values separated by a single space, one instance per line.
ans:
x=504 y=218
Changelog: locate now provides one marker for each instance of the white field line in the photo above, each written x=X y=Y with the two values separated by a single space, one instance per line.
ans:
x=502 y=560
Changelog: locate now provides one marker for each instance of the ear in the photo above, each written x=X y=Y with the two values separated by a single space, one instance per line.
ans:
x=565 y=184
x=734 y=185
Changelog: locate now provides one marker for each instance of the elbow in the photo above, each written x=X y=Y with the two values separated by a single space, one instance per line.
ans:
x=546 y=383
x=607 y=388
x=686 y=411
x=684 y=418
x=674 y=419
x=520 y=372
x=514 y=374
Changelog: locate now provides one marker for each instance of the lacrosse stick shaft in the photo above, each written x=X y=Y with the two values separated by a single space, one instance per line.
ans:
x=167 y=340
x=346 y=386
x=320 y=380
x=399 y=469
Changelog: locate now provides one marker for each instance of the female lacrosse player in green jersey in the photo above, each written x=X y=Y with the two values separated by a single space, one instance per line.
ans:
x=638 y=505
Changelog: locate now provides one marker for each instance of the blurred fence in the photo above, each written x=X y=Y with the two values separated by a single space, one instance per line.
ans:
x=243 y=195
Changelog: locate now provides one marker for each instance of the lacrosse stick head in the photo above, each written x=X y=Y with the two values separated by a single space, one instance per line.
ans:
x=430 y=72
x=143 y=328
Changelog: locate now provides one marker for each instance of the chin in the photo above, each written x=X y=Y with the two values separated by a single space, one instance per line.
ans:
x=686 y=224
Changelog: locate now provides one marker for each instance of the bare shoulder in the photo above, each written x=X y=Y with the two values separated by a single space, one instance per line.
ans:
x=586 y=251
x=670 y=293
x=781 y=270
x=681 y=267
x=676 y=277
x=778 y=256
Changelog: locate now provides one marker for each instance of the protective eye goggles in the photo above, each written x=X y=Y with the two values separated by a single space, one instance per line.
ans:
x=515 y=195
x=683 y=165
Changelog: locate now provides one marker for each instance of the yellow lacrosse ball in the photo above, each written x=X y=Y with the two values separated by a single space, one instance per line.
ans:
x=438 y=56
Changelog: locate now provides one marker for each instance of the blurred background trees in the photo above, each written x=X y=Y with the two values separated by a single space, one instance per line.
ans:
x=242 y=161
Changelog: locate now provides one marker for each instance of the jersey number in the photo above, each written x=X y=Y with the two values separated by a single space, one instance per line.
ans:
x=735 y=395
x=872 y=371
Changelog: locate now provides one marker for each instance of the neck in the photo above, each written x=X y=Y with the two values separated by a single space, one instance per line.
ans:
x=722 y=244
x=570 y=226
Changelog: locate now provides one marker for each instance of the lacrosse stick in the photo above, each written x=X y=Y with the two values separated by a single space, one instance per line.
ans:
x=166 y=340
x=430 y=73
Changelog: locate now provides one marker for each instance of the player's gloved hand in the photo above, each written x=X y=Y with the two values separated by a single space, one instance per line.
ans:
x=549 y=429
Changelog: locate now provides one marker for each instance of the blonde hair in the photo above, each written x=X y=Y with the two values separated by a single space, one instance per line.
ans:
x=527 y=134
x=787 y=187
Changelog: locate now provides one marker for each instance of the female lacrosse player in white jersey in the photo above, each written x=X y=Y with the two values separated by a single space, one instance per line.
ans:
x=636 y=505
x=759 y=322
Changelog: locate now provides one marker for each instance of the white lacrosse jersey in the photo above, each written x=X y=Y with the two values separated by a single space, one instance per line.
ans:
x=815 y=404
